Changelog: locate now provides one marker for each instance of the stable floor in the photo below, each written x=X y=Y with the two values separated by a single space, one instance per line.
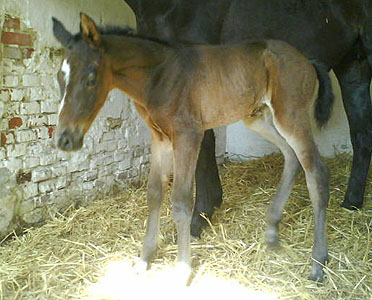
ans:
x=88 y=253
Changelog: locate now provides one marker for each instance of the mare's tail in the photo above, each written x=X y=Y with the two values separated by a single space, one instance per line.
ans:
x=324 y=102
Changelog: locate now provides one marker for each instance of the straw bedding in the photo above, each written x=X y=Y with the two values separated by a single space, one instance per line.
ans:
x=88 y=253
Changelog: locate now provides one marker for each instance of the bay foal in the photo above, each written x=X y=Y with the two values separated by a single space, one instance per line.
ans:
x=182 y=90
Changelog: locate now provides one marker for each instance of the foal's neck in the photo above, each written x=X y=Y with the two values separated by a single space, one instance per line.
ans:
x=132 y=60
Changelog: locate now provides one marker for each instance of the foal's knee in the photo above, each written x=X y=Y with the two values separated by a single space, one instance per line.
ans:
x=154 y=194
x=182 y=212
x=182 y=206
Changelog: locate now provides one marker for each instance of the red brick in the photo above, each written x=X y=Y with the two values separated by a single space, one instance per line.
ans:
x=3 y=139
x=50 y=131
x=12 y=23
x=15 y=122
x=27 y=52
x=14 y=38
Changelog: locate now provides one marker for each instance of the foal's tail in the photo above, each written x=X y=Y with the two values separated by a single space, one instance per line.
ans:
x=324 y=102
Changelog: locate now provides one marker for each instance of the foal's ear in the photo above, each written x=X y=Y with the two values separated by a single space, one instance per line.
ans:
x=89 y=31
x=60 y=32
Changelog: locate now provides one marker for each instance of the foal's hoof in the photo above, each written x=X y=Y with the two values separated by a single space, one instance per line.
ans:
x=140 y=267
x=181 y=274
x=272 y=243
x=316 y=276
x=272 y=239
x=316 y=273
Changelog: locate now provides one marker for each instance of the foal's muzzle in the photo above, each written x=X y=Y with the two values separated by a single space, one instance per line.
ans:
x=70 y=140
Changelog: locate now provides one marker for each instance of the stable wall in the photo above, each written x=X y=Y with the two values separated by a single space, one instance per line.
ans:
x=36 y=179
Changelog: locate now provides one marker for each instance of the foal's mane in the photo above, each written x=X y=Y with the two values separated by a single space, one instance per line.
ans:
x=126 y=31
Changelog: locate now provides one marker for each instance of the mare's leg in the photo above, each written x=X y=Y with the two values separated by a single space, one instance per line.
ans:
x=265 y=127
x=186 y=147
x=299 y=137
x=161 y=165
x=366 y=34
x=208 y=184
x=354 y=76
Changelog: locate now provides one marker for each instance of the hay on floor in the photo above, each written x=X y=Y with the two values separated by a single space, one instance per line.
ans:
x=77 y=255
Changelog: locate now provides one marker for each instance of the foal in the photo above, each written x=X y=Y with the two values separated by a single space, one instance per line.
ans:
x=180 y=91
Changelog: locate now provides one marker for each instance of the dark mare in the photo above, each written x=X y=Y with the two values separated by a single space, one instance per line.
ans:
x=337 y=33
x=182 y=90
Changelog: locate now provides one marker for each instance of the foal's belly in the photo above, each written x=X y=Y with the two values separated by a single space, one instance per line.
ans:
x=226 y=110
x=230 y=83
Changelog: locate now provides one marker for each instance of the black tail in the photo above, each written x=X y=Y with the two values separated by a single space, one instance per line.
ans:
x=324 y=102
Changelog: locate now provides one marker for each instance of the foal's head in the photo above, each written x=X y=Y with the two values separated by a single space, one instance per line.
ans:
x=84 y=80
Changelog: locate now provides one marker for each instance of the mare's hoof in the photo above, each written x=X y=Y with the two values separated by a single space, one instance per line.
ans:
x=351 y=206
x=352 y=201
x=194 y=238
x=197 y=225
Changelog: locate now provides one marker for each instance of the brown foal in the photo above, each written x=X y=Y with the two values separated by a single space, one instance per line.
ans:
x=182 y=90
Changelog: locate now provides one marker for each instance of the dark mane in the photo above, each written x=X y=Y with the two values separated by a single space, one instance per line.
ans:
x=117 y=30
x=126 y=31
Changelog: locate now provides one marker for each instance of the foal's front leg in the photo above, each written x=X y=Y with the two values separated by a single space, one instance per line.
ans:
x=161 y=164
x=185 y=148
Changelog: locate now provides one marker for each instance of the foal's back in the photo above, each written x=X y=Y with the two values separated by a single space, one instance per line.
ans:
x=234 y=82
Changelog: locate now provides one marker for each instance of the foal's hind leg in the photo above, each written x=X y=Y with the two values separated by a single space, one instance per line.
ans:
x=265 y=127
x=299 y=137
x=186 y=147
x=161 y=164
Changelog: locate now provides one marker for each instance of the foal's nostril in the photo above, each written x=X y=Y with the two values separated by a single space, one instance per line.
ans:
x=65 y=141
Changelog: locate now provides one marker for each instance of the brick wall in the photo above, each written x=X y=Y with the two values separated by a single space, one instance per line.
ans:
x=36 y=179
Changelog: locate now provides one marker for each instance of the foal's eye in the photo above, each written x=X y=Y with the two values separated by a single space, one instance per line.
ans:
x=91 y=79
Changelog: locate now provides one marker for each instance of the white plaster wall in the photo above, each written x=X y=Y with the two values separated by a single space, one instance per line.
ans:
x=243 y=144
x=36 y=179
x=37 y=14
